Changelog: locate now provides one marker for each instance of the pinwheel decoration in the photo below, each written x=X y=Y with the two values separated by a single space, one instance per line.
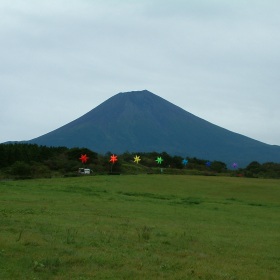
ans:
x=113 y=158
x=185 y=162
x=159 y=160
x=137 y=159
x=84 y=158
x=234 y=165
x=208 y=163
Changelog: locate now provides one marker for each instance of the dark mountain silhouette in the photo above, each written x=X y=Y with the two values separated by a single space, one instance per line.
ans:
x=141 y=121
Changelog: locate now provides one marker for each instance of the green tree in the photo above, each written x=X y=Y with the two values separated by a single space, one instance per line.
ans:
x=21 y=169
x=218 y=166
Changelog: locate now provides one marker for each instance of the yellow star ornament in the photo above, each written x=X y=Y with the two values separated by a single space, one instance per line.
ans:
x=137 y=159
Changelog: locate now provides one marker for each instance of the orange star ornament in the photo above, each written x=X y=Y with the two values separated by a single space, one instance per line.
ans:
x=114 y=158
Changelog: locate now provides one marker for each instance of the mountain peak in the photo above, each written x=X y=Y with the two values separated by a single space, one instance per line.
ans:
x=140 y=121
x=144 y=91
x=136 y=94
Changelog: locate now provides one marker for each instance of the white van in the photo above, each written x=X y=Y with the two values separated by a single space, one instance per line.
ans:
x=84 y=171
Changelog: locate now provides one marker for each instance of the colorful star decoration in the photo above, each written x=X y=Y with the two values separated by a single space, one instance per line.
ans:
x=159 y=160
x=114 y=158
x=137 y=159
x=234 y=165
x=185 y=162
x=84 y=158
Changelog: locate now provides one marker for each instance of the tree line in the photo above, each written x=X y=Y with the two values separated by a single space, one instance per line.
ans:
x=21 y=160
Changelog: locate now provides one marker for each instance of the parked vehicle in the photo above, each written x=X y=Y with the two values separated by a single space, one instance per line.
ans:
x=84 y=171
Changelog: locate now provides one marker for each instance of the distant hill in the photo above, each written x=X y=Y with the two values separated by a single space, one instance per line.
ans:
x=141 y=121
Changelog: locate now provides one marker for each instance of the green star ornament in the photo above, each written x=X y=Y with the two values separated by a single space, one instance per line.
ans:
x=159 y=160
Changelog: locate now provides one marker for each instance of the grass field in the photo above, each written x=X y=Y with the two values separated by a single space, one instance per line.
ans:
x=140 y=227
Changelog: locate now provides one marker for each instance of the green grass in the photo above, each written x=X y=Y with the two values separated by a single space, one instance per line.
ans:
x=140 y=227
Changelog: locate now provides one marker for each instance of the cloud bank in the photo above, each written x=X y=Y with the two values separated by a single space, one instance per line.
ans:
x=217 y=60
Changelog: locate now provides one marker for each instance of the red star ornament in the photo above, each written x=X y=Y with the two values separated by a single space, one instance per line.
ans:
x=84 y=158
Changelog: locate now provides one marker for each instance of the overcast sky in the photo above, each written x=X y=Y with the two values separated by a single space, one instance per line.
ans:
x=217 y=59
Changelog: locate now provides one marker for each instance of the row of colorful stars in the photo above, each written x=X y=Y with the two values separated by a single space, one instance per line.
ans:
x=114 y=158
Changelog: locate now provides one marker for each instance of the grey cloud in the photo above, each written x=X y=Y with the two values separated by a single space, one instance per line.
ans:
x=218 y=60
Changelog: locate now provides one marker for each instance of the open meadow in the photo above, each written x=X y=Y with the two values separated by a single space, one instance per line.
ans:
x=140 y=227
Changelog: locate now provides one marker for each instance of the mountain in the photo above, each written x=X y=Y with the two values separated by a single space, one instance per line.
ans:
x=141 y=121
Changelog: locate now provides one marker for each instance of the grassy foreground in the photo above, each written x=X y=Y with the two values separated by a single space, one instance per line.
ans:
x=140 y=227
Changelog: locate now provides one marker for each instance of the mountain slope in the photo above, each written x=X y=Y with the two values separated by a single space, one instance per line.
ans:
x=142 y=121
